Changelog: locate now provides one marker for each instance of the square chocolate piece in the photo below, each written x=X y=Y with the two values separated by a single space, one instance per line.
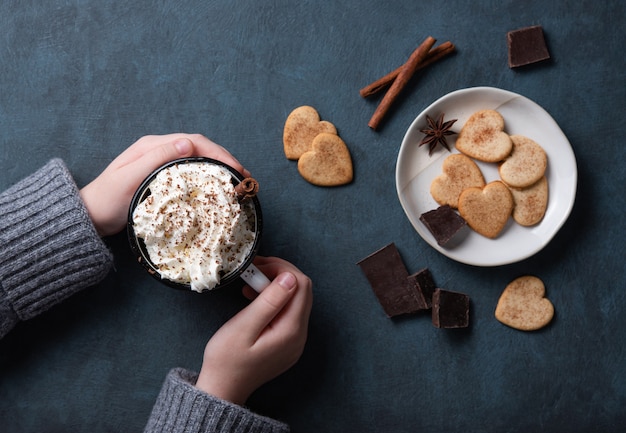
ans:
x=386 y=273
x=424 y=285
x=450 y=309
x=443 y=223
x=527 y=46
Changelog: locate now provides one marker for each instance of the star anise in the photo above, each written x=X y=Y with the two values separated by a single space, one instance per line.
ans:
x=436 y=133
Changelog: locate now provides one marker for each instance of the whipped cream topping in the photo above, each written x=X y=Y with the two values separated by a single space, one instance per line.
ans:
x=194 y=228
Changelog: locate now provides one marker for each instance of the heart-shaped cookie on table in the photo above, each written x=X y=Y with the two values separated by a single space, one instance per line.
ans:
x=526 y=163
x=486 y=210
x=523 y=304
x=483 y=137
x=458 y=173
x=302 y=125
x=328 y=163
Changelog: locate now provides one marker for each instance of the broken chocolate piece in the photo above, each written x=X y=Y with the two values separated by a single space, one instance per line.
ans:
x=386 y=273
x=527 y=46
x=450 y=309
x=443 y=223
x=424 y=285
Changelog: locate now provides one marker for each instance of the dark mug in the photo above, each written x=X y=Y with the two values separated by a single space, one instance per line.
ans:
x=251 y=206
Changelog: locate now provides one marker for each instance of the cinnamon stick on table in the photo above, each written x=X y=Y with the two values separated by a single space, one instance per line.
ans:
x=433 y=55
x=408 y=69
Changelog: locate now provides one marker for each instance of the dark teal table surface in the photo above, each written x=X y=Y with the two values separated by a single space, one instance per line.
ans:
x=83 y=79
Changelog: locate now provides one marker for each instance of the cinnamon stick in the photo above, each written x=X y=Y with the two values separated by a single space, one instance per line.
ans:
x=246 y=189
x=407 y=71
x=433 y=55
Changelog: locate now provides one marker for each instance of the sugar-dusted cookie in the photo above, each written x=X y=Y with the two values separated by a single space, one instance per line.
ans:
x=523 y=304
x=525 y=165
x=483 y=137
x=302 y=125
x=328 y=163
x=486 y=210
x=530 y=203
x=458 y=173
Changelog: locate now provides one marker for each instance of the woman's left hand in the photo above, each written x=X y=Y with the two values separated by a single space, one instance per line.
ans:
x=108 y=196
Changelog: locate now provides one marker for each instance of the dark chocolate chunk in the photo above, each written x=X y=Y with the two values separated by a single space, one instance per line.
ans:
x=527 y=46
x=443 y=223
x=424 y=285
x=386 y=273
x=450 y=309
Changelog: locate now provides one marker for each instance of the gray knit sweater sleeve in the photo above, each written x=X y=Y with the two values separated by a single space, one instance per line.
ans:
x=49 y=248
x=181 y=407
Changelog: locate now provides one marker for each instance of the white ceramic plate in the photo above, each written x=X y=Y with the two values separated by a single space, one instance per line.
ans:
x=415 y=170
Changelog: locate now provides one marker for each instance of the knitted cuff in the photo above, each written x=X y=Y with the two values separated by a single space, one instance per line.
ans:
x=49 y=248
x=8 y=318
x=181 y=407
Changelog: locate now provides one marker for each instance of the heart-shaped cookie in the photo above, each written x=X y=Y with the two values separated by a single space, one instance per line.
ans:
x=483 y=137
x=530 y=203
x=302 y=125
x=486 y=210
x=523 y=304
x=525 y=165
x=459 y=173
x=328 y=163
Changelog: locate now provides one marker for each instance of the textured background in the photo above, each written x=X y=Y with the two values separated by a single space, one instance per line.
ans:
x=83 y=79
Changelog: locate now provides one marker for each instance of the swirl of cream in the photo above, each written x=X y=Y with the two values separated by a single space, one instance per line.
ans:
x=193 y=226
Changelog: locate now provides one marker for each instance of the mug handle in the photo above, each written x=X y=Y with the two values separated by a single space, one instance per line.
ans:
x=255 y=278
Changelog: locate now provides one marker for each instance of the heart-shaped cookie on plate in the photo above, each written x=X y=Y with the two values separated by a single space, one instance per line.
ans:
x=328 y=163
x=530 y=203
x=523 y=304
x=458 y=173
x=486 y=210
x=302 y=125
x=525 y=165
x=483 y=137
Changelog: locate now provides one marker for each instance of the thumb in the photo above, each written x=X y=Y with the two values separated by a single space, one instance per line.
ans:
x=139 y=169
x=270 y=302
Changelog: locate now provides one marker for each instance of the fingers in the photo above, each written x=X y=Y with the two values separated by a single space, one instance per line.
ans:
x=165 y=153
x=272 y=266
x=202 y=146
x=263 y=262
x=151 y=152
x=207 y=148
x=142 y=146
x=269 y=304
x=296 y=313
x=136 y=171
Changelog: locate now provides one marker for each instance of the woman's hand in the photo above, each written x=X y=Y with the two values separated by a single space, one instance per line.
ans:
x=263 y=340
x=108 y=197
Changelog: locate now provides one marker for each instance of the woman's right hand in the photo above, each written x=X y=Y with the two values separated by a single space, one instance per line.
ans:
x=264 y=339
